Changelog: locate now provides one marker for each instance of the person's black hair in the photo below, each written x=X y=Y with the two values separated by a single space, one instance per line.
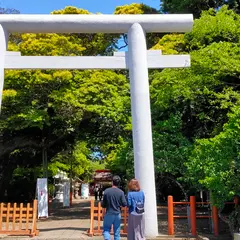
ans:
x=116 y=181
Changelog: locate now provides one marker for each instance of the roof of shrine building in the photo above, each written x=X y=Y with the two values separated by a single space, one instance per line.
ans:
x=102 y=175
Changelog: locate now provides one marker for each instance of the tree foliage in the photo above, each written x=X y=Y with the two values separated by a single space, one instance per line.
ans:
x=205 y=98
x=139 y=8
x=67 y=114
x=214 y=27
x=215 y=161
x=170 y=44
x=197 y=6
x=135 y=8
x=195 y=110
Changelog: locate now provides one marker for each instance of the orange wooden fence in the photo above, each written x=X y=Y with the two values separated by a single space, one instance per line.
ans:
x=193 y=215
x=18 y=219
x=96 y=220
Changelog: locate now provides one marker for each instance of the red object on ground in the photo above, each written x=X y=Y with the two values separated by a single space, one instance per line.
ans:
x=170 y=216
x=49 y=201
x=104 y=170
x=193 y=215
x=215 y=220
x=71 y=198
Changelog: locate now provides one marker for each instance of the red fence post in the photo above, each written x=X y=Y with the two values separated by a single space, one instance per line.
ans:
x=71 y=197
x=170 y=216
x=49 y=201
x=193 y=215
x=215 y=220
x=91 y=230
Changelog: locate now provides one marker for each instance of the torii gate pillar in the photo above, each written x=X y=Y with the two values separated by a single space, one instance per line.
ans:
x=3 y=48
x=141 y=124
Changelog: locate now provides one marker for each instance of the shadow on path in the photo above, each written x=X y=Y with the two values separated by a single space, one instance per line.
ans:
x=66 y=223
x=65 y=228
x=79 y=210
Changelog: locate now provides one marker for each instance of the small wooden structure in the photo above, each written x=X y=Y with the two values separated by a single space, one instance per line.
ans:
x=17 y=219
x=96 y=220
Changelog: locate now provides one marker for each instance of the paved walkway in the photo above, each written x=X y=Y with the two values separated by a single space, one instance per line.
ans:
x=73 y=223
x=66 y=223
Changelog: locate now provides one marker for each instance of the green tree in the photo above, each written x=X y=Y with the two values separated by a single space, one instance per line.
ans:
x=121 y=160
x=46 y=111
x=201 y=99
x=57 y=44
x=215 y=161
x=171 y=148
x=135 y=8
x=171 y=44
x=77 y=161
x=139 y=8
x=196 y=6
x=193 y=103
x=214 y=27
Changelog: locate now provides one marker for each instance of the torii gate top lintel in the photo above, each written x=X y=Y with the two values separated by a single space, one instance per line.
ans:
x=27 y=23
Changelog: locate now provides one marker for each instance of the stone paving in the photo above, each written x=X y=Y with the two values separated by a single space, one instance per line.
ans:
x=73 y=223
x=66 y=223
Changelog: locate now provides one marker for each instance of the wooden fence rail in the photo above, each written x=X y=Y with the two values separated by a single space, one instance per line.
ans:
x=96 y=220
x=193 y=217
x=17 y=219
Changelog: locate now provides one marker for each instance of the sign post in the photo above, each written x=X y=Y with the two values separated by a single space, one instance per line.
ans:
x=42 y=196
x=66 y=194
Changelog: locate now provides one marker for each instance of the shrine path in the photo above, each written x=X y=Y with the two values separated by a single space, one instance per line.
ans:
x=73 y=223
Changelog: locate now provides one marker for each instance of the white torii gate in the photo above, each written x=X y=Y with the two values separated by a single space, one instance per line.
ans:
x=137 y=60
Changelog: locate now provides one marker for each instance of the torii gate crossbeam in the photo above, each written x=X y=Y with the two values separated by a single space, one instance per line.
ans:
x=137 y=61
x=118 y=62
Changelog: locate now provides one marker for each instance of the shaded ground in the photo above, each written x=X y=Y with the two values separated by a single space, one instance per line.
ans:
x=66 y=223
x=181 y=225
x=79 y=210
x=73 y=223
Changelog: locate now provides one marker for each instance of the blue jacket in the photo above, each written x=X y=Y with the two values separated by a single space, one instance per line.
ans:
x=134 y=197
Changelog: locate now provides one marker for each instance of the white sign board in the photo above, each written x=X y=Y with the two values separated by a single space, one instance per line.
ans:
x=42 y=196
x=66 y=194
x=84 y=191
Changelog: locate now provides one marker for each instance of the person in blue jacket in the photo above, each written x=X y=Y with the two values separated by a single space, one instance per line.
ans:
x=136 y=200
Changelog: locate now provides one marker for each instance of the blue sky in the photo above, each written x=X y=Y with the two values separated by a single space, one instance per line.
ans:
x=47 y=6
